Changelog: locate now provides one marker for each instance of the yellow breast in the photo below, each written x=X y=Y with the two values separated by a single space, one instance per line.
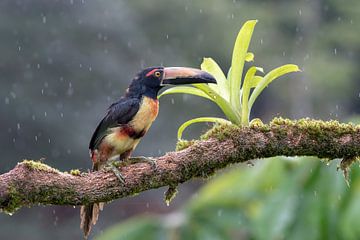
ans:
x=147 y=113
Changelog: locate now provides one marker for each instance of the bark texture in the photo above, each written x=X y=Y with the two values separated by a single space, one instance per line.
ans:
x=32 y=183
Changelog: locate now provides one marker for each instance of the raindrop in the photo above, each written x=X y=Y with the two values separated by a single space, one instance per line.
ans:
x=80 y=65
x=14 y=140
x=42 y=91
x=232 y=16
x=167 y=36
x=173 y=101
x=45 y=114
x=13 y=95
x=283 y=54
x=44 y=19
x=219 y=213
x=147 y=205
x=335 y=51
x=38 y=66
x=90 y=69
x=62 y=115
x=71 y=2
x=18 y=126
x=300 y=13
x=36 y=138
x=337 y=107
x=19 y=48
x=7 y=100
x=261 y=41
x=49 y=140
x=201 y=10
x=315 y=193
x=33 y=117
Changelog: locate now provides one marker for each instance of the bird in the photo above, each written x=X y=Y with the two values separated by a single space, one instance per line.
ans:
x=127 y=121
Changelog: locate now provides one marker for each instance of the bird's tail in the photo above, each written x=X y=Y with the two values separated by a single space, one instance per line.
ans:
x=89 y=213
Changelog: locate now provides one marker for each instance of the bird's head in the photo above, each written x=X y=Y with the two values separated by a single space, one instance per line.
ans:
x=150 y=80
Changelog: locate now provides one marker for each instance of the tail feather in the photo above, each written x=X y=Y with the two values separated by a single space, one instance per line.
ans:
x=89 y=213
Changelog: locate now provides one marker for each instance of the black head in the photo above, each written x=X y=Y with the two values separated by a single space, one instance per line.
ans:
x=149 y=81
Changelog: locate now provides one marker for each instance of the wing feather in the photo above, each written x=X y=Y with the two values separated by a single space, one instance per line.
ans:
x=120 y=112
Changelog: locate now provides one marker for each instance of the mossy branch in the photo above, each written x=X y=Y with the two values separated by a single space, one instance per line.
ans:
x=32 y=183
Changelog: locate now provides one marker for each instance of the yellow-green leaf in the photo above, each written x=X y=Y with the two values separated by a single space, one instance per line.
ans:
x=255 y=81
x=231 y=113
x=245 y=95
x=268 y=78
x=198 y=120
x=249 y=57
x=222 y=87
x=185 y=89
x=238 y=60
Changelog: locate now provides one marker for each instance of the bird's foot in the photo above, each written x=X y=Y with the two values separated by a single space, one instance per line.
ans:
x=112 y=165
x=149 y=160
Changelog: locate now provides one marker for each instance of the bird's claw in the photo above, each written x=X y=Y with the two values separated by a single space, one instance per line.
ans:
x=112 y=166
x=149 y=160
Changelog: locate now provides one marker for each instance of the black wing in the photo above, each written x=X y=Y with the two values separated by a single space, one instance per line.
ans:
x=120 y=112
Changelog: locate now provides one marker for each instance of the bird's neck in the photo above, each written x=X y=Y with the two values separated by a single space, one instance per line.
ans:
x=138 y=91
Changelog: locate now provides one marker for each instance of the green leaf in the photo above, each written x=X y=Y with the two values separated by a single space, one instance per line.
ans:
x=222 y=86
x=255 y=81
x=198 y=120
x=232 y=114
x=238 y=60
x=185 y=89
x=249 y=57
x=268 y=78
x=245 y=96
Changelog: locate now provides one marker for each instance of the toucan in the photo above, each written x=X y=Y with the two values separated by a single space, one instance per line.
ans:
x=127 y=121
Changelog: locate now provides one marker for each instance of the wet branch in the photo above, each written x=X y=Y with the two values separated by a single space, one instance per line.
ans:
x=32 y=183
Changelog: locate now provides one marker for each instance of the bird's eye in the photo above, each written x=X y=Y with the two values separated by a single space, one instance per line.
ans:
x=157 y=74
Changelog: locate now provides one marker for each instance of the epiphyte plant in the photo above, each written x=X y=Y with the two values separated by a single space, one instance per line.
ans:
x=234 y=94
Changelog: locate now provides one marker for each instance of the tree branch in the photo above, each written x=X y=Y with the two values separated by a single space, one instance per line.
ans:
x=31 y=183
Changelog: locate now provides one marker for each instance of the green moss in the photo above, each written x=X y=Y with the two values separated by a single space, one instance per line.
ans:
x=75 y=172
x=14 y=201
x=37 y=165
x=170 y=194
x=220 y=131
x=182 y=144
x=345 y=166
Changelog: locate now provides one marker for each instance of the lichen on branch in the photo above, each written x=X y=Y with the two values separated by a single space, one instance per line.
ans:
x=32 y=183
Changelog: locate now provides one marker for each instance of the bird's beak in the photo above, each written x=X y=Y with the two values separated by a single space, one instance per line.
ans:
x=184 y=75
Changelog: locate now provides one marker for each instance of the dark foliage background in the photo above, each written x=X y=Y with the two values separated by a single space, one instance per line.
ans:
x=63 y=62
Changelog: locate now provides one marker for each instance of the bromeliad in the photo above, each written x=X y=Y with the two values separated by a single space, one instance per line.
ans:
x=128 y=120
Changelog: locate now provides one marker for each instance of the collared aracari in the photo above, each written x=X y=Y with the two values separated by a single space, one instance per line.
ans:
x=128 y=120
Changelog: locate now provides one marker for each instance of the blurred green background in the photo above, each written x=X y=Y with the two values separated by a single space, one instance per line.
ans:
x=63 y=62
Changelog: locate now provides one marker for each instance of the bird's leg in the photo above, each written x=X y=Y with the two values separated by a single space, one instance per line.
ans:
x=112 y=164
